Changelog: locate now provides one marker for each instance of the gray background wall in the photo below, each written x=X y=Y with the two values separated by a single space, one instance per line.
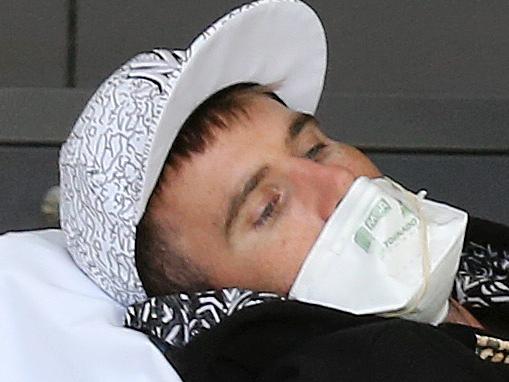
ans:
x=422 y=87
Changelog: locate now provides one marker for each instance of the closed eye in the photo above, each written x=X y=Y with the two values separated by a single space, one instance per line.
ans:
x=268 y=212
x=315 y=150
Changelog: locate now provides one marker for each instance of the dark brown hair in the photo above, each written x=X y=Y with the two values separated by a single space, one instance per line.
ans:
x=162 y=269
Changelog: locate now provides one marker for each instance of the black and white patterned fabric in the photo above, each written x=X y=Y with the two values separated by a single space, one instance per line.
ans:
x=177 y=318
x=102 y=168
x=482 y=279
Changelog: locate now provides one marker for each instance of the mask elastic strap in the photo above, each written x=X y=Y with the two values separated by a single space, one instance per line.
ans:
x=426 y=264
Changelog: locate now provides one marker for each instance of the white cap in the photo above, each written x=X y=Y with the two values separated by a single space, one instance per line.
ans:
x=112 y=159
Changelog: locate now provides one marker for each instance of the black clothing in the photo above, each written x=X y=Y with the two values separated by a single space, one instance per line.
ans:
x=291 y=341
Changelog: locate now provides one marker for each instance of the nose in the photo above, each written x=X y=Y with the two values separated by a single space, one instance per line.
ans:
x=319 y=186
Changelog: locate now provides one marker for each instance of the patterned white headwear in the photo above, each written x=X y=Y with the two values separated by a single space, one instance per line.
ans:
x=112 y=159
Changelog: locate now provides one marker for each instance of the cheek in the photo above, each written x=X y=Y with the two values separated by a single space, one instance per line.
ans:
x=286 y=249
x=356 y=161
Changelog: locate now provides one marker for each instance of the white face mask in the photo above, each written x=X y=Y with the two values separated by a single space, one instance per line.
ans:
x=385 y=251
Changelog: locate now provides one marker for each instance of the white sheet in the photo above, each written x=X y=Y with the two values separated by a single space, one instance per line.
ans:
x=56 y=325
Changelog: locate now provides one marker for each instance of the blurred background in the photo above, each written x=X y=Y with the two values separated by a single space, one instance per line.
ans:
x=421 y=86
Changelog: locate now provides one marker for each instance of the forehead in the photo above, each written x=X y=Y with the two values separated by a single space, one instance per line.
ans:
x=208 y=179
x=265 y=121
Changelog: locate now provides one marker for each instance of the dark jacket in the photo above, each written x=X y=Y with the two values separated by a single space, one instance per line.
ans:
x=291 y=341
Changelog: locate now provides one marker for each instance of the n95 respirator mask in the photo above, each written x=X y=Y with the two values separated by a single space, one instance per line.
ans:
x=385 y=251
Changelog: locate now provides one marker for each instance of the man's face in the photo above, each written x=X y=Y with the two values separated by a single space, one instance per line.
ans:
x=248 y=210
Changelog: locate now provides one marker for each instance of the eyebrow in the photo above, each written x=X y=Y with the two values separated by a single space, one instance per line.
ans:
x=300 y=121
